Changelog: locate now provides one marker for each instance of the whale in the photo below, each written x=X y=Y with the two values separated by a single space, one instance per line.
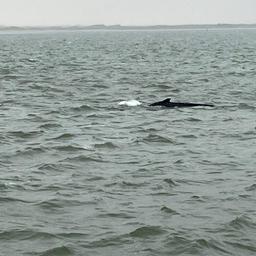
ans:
x=169 y=104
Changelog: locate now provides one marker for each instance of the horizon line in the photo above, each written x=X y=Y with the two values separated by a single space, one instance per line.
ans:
x=121 y=25
x=219 y=26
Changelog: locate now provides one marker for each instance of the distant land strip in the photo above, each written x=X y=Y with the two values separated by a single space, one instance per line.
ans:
x=120 y=27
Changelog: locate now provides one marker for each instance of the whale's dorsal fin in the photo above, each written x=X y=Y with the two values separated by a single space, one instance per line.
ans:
x=166 y=100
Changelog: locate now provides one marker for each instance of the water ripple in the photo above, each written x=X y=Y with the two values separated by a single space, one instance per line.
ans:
x=147 y=231
x=80 y=175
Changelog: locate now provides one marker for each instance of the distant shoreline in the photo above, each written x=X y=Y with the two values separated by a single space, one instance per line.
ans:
x=119 y=27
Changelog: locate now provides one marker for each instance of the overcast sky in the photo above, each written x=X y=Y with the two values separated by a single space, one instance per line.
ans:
x=126 y=12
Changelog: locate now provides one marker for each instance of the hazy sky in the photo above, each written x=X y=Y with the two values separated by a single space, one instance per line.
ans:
x=126 y=12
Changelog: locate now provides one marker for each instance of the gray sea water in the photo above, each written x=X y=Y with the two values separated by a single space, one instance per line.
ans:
x=81 y=175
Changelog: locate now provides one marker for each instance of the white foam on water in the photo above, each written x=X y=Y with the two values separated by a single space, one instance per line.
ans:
x=129 y=103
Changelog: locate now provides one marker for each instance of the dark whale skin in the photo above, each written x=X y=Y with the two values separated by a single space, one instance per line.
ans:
x=167 y=103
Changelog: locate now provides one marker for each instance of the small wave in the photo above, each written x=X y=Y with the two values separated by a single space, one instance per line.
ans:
x=244 y=246
x=112 y=184
x=147 y=231
x=83 y=158
x=156 y=138
x=116 y=215
x=3 y=186
x=129 y=103
x=56 y=204
x=49 y=125
x=72 y=235
x=245 y=106
x=82 y=108
x=109 y=241
x=57 y=251
x=197 y=198
x=170 y=182
x=242 y=222
x=168 y=210
x=30 y=151
x=193 y=119
x=55 y=167
x=125 y=184
x=163 y=193
x=95 y=178
x=64 y=136
x=132 y=184
x=250 y=132
x=251 y=188
x=238 y=74
x=29 y=60
x=69 y=148
x=24 y=234
x=179 y=161
x=50 y=204
x=11 y=77
x=204 y=80
x=182 y=246
x=11 y=199
x=88 y=147
x=51 y=187
x=109 y=145
x=188 y=136
x=24 y=135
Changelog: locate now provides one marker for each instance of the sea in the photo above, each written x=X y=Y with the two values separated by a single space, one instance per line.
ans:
x=82 y=175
